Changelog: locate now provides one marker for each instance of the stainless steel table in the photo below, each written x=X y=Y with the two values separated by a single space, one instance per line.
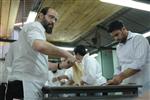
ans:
x=91 y=92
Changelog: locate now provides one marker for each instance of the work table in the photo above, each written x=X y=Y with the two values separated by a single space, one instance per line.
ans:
x=91 y=92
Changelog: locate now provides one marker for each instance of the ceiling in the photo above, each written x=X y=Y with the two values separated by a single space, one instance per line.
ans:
x=77 y=17
x=8 y=13
x=80 y=21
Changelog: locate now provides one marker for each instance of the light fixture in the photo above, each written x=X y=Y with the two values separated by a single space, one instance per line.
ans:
x=129 y=3
x=147 y=34
x=66 y=48
x=31 y=18
x=94 y=55
x=19 y=24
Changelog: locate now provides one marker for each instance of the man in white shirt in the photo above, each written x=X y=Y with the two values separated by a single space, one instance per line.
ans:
x=30 y=67
x=133 y=52
x=92 y=70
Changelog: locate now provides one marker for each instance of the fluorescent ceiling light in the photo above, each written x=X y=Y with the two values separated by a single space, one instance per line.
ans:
x=129 y=3
x=31 y=16
x=147 y=34
x=94 y=55
x=19 y=24
x=67 y=48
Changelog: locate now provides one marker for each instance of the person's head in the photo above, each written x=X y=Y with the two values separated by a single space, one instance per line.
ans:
x=48 y=18
x=79 y=52
x=118 y=31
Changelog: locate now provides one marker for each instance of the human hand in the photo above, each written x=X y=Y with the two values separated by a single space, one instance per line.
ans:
x=115 y=81
x=71 y=60
x=64 y=64
x=54 y=79
x=67 y=63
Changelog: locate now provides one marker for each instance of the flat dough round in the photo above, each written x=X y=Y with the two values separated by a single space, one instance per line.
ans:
x=77 y=73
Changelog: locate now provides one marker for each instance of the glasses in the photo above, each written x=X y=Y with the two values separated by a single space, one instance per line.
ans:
x=52 y=17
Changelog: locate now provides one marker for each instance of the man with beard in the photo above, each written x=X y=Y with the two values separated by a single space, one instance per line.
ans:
x=133 y=53
x=30 y=67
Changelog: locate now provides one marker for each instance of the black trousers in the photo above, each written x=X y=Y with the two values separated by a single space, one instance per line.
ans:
x=14 y=90
x=2 y=90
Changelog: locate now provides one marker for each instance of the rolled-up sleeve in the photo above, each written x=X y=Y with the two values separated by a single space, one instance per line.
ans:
x=33 y=34
x=140 y=46
x=117 y=70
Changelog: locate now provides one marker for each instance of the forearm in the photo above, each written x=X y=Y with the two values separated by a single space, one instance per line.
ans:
x=52 y=66
x=127 y=73
x=63 y=77
x=117 y=79
x=83 y=83
x=58 y=66
x=50 y=49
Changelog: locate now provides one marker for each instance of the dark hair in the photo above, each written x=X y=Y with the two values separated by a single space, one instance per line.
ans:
x=80 y=49
x=44 y=10
x=54 y=71
x=115 y=25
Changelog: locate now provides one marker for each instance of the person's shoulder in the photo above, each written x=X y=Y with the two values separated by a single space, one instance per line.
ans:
x=136 y=34
x=90 y=58
x=140 y=38
x=34 y=25
x=28 y=26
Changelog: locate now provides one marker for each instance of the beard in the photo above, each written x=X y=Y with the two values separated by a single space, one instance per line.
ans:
x=123 y=40
x=47 y=26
